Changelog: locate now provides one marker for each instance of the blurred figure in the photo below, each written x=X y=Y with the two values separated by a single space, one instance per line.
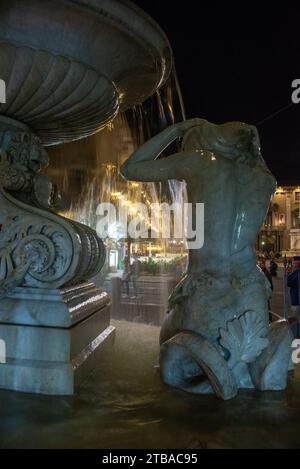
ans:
x=263 y=267
x=135 y=272
x=273 y=267
x=178 y=270
x=293 y=279
x=126 y=275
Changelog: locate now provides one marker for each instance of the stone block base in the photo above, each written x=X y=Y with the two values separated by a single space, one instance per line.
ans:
x=53 y=338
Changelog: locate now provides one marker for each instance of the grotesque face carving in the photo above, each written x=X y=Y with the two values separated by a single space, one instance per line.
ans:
x=22 y=157
x=24 y=149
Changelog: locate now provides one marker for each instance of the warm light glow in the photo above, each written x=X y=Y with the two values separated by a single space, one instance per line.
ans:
x=110 y=126
x=280 y=191
x=110 y=167
x=154 y=248
x=132 y=210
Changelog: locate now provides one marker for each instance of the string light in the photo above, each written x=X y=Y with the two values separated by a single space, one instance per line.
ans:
x=132 y=210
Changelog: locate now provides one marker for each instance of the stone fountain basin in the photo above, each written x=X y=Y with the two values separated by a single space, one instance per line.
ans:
x=71 y=65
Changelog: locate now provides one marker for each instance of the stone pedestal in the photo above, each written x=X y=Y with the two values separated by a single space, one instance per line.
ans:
x=53 y=338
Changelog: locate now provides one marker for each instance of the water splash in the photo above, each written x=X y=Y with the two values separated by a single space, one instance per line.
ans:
x=87 y=172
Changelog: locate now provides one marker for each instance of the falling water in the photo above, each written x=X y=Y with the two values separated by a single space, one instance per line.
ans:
x=87 y=173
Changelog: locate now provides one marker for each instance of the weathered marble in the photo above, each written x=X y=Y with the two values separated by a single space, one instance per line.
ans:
x=53 y=337
x=69 y=67
x=216 y=333
x=38 y=248
x=62 y=307
x=53 y=343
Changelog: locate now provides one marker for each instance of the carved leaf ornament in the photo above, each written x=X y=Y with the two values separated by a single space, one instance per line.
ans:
x=245 y=338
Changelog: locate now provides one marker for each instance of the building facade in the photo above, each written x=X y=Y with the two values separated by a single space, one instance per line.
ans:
x=280 y=232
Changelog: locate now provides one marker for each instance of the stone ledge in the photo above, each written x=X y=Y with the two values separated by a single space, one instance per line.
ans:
x=52 y=307
x=55 y=378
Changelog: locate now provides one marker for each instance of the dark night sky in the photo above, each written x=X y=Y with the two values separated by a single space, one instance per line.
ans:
x=238 y=63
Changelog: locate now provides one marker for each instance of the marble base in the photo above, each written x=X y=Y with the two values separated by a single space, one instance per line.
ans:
x=54 y=338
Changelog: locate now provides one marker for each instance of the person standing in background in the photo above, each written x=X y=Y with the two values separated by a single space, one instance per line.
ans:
x=263 y=267
x=293 y=280
x=135 y=272
x=273 y=267
x=126 y=275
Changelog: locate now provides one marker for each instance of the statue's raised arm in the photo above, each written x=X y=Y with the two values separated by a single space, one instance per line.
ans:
x=216 y=336
x=232 y=141
x=143 y=164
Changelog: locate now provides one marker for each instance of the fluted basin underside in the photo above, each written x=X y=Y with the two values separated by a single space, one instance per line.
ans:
x=70 y=66
x=59 y=98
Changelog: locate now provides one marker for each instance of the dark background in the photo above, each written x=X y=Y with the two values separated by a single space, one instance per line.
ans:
x=238 y=63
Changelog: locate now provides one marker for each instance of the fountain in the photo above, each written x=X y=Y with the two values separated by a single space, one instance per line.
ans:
x=94 y=179
x=69 y=68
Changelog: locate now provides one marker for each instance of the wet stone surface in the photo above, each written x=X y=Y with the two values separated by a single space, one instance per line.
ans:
x=125 y=405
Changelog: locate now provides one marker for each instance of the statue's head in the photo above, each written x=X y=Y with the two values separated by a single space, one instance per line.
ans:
x=193 y=139
x=233 y=140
